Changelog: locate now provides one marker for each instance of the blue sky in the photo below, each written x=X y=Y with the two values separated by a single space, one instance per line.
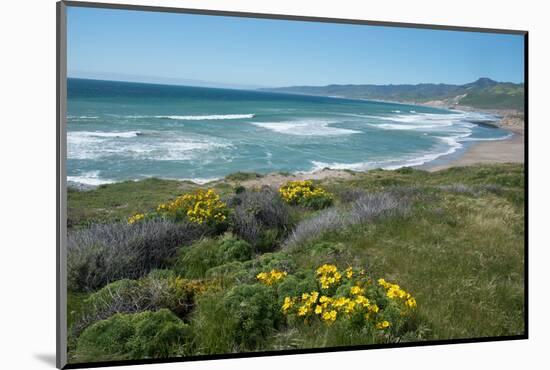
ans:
x=228 y=51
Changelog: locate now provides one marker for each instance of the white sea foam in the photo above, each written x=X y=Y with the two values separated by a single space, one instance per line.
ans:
x=185 y=150
x=391 y=126
x=78 y=118
x=166 y=146
x=207 y=117
x=101 y=134
x=456 y=122
x=200 y=180
x=89 y=178
x=452 y=145
x=489 y=138
x=306 y=127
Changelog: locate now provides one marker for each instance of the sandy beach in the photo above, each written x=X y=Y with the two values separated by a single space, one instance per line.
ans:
x=511 y=150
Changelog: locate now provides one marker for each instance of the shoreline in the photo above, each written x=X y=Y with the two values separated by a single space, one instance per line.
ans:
x=510 y=150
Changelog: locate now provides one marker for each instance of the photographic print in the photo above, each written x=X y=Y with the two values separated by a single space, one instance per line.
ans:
x=241 y=185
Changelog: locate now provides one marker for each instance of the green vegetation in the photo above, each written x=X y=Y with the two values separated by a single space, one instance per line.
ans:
x=453 y=240
x=117 y=201
x=131 y=336
x=242 y=176
x=195 y=261
x=501 y=96
x=483 y=93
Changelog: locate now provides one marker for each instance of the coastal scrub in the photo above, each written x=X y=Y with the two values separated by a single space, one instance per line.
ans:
x=306 y=194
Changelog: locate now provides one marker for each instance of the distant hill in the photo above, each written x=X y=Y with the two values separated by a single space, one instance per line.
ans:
x=483 y=93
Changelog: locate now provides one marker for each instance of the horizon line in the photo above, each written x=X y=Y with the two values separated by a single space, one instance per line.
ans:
x=221 y=85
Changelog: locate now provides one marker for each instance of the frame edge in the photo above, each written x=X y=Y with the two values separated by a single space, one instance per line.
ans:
x=61 y=191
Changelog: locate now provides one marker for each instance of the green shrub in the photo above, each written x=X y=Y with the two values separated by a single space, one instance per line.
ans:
x=319 y=202
x=232 y=249
x=227 y=274
x=194 y=261
x=255 y=313
x=296 y=284
x=240 y=319
x=160 y=289
x=280 y=261
x=245 y=272
x=119 y=296
x=269 y=240
x=325 y=249
x=147 y=334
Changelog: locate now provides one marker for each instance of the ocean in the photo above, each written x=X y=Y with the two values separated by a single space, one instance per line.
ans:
x=119 y=131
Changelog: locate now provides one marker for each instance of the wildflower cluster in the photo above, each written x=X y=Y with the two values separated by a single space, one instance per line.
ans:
x=135 y=218
x=271 y=277
x=394 y=291
x=351 y=296
x=328 y=275
x=198 y=207
x=306 y=194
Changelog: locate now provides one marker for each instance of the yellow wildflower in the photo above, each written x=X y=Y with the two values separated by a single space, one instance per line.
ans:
x=362 y=300
x=411 y=303
x=199 y=207
x=303 y=310
x=271 y=277
x=374 y=308
x=328 y=275
x=329 y=316
x=383 y=324
x=296 y=192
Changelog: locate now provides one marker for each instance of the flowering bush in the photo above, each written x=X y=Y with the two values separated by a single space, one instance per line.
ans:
x=351 y=296
x=306 y=194
x=271 y=277
x=201 y=207
x=328 y=275
x=395 y=292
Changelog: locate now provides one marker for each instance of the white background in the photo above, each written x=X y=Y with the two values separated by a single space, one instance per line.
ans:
x=27 y=185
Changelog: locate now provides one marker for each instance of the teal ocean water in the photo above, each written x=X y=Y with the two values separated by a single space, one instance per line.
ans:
x=126 y=131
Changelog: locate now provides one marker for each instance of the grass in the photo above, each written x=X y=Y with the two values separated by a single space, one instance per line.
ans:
x=116 y=202
x=453 y=238
x=462 y=257
x=75 y=306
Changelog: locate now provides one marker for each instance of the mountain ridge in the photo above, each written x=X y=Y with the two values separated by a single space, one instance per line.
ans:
x=484 y=93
